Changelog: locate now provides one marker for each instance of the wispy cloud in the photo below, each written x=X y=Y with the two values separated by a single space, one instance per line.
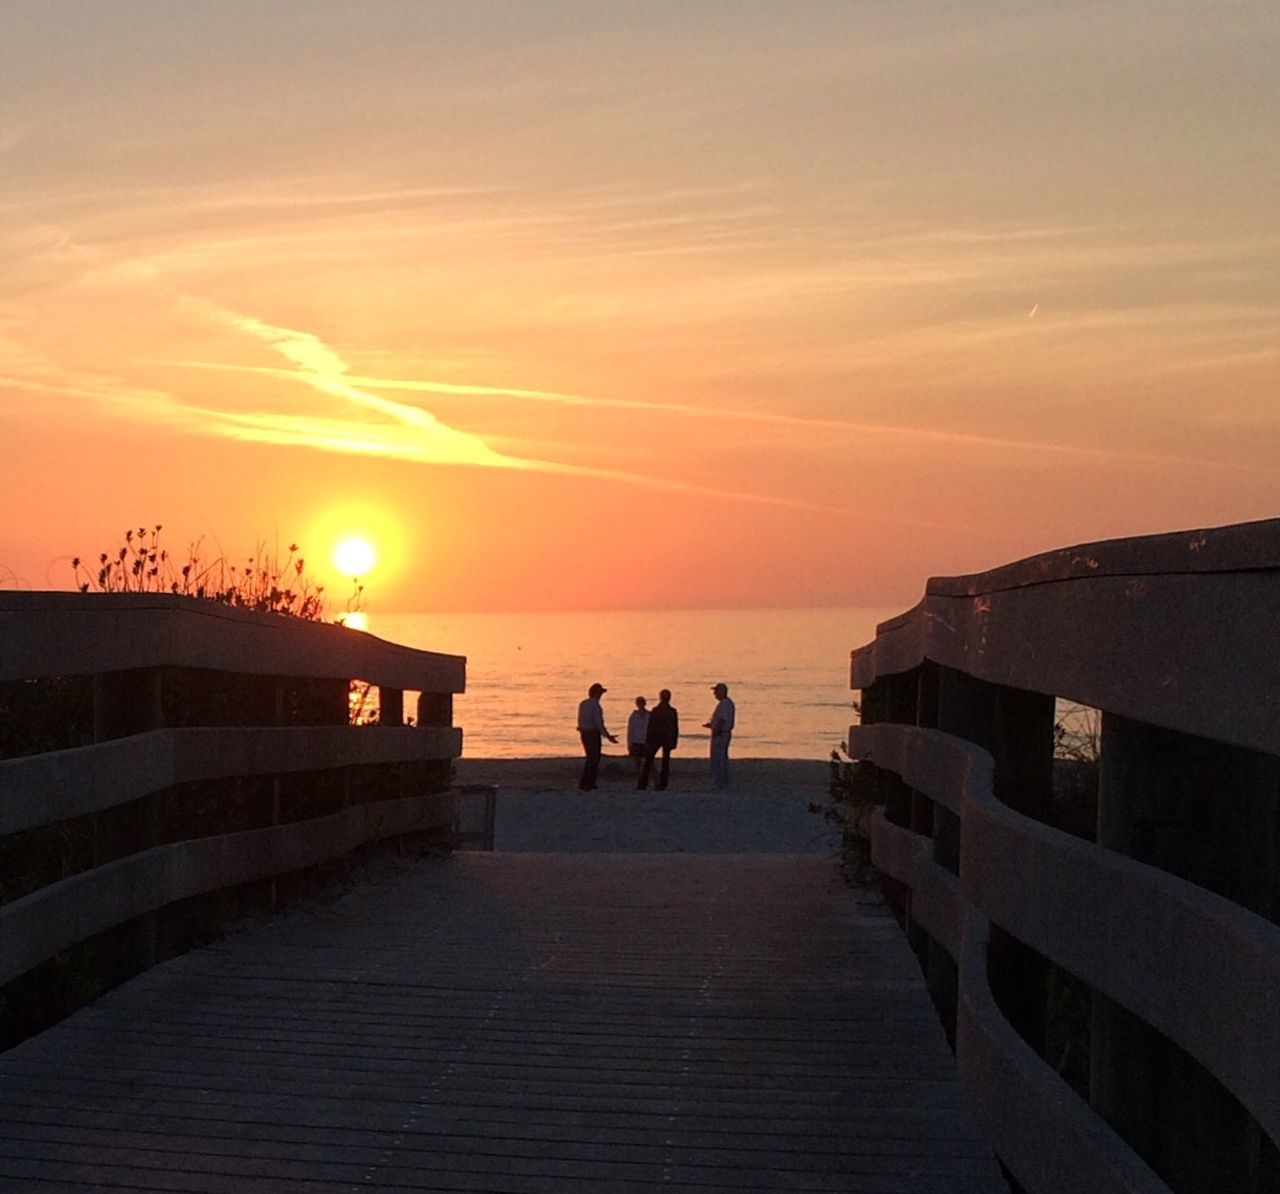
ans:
x=364 y=423
x=320 y=196
x=400 y=431
x=720 y=414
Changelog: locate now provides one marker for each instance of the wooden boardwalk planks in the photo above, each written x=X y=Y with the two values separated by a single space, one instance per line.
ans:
x=515 y=1023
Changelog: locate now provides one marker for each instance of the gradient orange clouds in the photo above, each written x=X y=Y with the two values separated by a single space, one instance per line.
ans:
x=637 y=304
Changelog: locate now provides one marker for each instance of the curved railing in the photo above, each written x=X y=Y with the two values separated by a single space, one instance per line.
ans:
x=1170 y=638
x=217 y=757
x=1191 y=617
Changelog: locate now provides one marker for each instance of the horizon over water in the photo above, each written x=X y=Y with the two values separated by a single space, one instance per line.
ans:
x=787 y=671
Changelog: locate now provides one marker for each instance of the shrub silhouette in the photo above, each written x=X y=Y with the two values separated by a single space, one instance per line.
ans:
x=263 y=583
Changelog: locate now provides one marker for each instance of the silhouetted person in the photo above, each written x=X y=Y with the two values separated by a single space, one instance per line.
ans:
x=591 y=730
x=637 y=729
x=721 y=727
x=663 y=734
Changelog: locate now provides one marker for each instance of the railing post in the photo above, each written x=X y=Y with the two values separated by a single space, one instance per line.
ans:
x=893 y=699
x=390 y=706
x=910 y=698
x=885 y=700
x=127 y=702
x=131 y=702
x=278 y=715
x=1016 y=728
x=435 y=709
x=942 y=824
x=1206 y=812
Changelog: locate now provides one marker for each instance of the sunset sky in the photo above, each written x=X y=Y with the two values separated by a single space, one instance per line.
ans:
x=598 y=305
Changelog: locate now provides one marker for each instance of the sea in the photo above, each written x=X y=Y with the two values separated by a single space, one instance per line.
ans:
x=787 y=672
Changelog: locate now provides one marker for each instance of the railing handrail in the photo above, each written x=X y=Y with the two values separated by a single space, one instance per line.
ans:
x=1155 y=916
x=64 y=634
x=57 y=785
x=63 y=914
x=1106 y=918
x=222 y=758
x=1142 y=628
x=1240 y=547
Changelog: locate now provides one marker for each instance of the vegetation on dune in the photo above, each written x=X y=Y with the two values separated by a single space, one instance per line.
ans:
x=264 y=582
x=56 y=712
x=851 y=801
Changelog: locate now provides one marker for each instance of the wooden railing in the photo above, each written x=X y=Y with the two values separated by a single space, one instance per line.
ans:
x=174 y=763
x=1146 y=942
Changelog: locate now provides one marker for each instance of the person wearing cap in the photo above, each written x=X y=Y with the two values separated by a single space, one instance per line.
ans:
x=721 y=727
x=591 y=730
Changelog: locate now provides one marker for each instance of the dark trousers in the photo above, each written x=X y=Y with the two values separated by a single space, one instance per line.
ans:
x=664 y=772
x=591 y=744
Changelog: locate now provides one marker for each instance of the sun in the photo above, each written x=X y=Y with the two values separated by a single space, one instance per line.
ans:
x=354 y=556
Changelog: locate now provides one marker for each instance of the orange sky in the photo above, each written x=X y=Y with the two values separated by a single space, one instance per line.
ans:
x=636 y=304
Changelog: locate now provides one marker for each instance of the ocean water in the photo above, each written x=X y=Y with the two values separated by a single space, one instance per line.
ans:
x=787 y=671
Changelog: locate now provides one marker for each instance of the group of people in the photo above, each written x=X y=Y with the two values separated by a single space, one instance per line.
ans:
x=650 y=733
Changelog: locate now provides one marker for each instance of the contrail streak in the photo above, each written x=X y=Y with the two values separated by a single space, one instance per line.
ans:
x=429 y=440
x=721 y=414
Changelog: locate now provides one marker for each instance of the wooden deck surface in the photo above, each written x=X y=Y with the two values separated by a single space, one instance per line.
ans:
x=514 y=1023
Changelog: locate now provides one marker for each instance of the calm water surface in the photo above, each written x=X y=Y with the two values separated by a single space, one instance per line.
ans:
x=787 y=671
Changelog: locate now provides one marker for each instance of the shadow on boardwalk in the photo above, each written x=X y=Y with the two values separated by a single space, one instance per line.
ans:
x=515 y=1022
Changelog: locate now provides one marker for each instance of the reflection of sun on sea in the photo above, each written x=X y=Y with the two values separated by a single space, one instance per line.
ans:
x=353 y=557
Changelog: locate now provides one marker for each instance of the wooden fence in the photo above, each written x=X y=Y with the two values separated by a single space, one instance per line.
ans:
x=168 y=764
x=1112 y=981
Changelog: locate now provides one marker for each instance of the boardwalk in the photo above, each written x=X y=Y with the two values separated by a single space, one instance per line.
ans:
x=514 y=1022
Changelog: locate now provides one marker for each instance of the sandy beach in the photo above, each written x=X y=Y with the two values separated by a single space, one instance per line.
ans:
x=765 y=811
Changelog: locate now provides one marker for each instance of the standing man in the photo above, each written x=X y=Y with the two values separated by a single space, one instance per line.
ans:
x=591 y=730
x=721 y=727
x=637 y=730
x=664 y=733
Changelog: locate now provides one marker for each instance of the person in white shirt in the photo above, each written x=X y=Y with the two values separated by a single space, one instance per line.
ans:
x=591 y=730
x=721 y=727
x=637 y=732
